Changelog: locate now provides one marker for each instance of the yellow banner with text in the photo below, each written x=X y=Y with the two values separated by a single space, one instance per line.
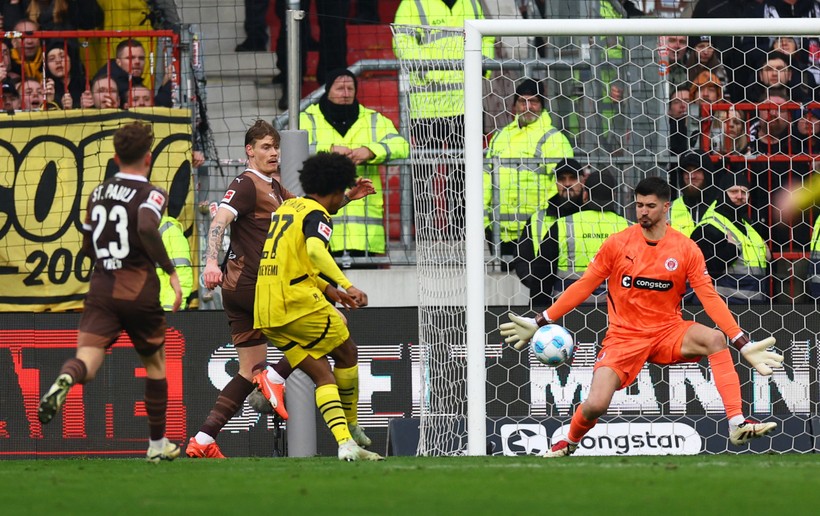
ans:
x=49 y=163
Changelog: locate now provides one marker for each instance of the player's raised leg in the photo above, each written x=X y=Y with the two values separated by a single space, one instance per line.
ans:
x=605 y=382
x=702 y=341
x=77 y=370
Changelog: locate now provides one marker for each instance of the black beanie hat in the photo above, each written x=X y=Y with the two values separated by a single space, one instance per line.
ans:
x=335 y=74
x=529 y=87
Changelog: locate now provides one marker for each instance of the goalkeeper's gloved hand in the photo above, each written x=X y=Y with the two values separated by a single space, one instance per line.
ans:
x=756 y=353
x=520 y=330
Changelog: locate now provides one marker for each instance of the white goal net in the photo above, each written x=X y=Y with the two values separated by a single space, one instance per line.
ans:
x=709 y=106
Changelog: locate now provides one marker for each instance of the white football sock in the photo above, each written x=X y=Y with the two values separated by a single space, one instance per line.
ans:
x=273 y=376
x=203 y=438
x=736 y=421
x=157 y=445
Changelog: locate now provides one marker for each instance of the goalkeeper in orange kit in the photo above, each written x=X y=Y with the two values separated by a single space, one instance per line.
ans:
x=648 y=266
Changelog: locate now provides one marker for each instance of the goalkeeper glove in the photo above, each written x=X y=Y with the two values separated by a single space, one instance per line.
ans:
x=520 y=330
x=757 y=355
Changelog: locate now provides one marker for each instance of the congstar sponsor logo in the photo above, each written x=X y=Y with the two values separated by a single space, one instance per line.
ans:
x=646 y=283
x=637 y=439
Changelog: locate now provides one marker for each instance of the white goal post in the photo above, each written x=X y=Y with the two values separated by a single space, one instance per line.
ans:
x=476 y=338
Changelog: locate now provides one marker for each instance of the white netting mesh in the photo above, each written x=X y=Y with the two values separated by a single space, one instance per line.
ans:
x=621 y=107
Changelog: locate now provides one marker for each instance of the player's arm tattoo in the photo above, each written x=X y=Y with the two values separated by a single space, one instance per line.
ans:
x=215 y=234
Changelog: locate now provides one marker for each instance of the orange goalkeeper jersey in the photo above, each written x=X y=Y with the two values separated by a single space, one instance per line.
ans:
x=648 y=279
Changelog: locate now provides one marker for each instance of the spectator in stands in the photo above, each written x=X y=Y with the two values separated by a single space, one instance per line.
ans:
x=31 y=95
x=798 y=9
x=134 y=15
x=734 y=50
x=68 y=76
x=676 y=48
x=776 y=72
x=58 y=14
x=522 y=188
x=790 y=46
x=127 y=70
x=733 y=140
x=569 y=177
x=103 y=95
x=332 y=17
x=5 y=65
x=305 y=42
x=806 y=132
x=256 y=26
x=737 y=256
x=704 y=58
x=572 y=241
x=11 y=98
x=7 y=73
x=140 y=97
x=26 y=53
x=697 y=191
x=706 y=87
x=679 y=119
x=339 y=124
x=770 y=132
x=436 y=102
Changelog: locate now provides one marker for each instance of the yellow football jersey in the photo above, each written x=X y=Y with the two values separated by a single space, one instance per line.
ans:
x=286 y=286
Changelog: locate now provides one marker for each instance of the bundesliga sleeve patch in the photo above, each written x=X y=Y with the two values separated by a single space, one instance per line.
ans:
x=325 y=231
x=228 y=196
x=156 y=200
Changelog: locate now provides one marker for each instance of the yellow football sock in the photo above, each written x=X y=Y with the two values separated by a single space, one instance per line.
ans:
x=327 y=399
x=347 y=380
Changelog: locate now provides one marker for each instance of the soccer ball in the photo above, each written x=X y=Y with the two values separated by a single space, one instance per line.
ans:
x=552 y=345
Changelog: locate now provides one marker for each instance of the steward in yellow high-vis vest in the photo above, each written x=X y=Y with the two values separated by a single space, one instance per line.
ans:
x=737 y=256
x=179 y=252
x=567 y=201
x=338 y=123
x=697 y=191
x=514 y=191
x=574 y=240
x=436 y=93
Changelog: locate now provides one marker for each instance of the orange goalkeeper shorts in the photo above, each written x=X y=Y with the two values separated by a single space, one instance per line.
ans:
x=626 y=352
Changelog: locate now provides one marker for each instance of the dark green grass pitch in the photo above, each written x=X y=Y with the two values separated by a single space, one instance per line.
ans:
x=724 y=485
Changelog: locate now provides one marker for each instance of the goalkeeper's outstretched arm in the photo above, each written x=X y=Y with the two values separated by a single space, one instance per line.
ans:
x=520 y=330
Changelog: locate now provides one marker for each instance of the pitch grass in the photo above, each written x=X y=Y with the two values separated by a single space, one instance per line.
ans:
x=723 y=485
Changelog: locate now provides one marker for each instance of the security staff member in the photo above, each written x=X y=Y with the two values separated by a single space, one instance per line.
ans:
x=339 y=124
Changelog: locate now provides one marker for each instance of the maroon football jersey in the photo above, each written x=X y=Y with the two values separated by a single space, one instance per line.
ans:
x=252 y=197
x=122 y=266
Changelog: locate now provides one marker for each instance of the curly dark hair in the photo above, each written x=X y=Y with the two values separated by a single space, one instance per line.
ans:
x=133 y=141
x=327 y=173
